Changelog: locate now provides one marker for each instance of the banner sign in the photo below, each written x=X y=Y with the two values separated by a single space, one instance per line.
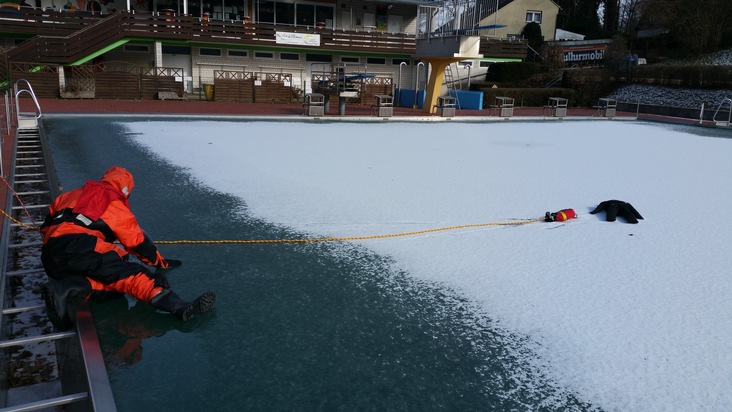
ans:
x=581 y=54
x=298 y=39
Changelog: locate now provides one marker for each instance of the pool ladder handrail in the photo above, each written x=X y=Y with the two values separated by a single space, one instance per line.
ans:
x=29 y=90
x=729 y=115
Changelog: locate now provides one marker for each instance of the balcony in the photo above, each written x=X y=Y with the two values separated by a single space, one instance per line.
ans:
x=66 y=38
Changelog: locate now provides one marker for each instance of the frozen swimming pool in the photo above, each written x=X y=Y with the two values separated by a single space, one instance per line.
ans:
x=582 y=315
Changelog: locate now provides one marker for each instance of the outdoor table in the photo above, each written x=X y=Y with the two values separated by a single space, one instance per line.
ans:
x=314 y=104
x=446 y=105
x=384 y=105
x=505 y=106
x=607 y=107
x=557 y=106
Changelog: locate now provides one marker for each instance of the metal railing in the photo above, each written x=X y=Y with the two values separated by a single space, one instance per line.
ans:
x=84 y=384
x=29 y=90
x=729 y=111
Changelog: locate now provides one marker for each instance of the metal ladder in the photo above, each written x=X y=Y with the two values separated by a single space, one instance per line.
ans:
x=65 y=368
x=452 y=84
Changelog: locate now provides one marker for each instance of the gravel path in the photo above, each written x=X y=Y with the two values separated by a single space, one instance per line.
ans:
x=679 y=97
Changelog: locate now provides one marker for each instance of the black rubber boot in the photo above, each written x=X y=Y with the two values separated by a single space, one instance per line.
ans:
x=61 y=297
x=168 y=301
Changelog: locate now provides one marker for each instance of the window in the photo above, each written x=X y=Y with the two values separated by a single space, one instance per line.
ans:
x=181 y=50
x=285 y=13
x=346 y=59
x=289 y=56
x=324 y=14
x=137 y=48
x=264 y=55
x=324 y=58
x=397 y=62
x=238 y=53
x=533 y=16
x=305 y=15
x=209 y=52
x=375 y=60
x=266 y=12
x=301 y=14
x=485 y=64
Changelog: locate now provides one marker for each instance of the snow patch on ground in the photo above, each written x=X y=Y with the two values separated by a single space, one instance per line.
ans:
x=630 y=317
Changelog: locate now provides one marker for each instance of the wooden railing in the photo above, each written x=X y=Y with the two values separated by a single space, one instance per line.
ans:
x=65 y=37
x=92 y=35
x=84 y=41
x=34 y=22
x=513 y=49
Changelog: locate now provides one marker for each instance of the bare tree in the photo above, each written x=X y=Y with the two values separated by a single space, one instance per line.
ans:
x=629 y=14
x=697 y=24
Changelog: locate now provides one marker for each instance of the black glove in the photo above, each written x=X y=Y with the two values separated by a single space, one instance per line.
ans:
x=618 y=207
x=173 y=263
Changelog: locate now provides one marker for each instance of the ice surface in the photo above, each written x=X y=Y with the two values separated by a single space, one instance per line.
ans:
x=631 y=317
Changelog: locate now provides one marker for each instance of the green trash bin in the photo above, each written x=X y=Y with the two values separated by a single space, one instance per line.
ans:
x=208 y=91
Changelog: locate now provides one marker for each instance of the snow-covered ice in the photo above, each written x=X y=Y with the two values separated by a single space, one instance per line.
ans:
x=631 y=317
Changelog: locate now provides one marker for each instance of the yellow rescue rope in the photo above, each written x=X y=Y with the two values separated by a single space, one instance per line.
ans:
x=344 y=239
x=14 y=220
x=304 y=240
x=314 y=239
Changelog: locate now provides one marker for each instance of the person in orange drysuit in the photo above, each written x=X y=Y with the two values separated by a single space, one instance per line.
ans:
x=78 y=250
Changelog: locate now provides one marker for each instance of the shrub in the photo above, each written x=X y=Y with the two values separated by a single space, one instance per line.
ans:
x=512 y=72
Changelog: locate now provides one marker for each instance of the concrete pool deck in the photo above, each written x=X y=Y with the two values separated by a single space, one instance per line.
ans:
x=257 y=109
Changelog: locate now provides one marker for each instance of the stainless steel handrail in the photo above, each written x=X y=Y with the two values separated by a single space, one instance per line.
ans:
x=729 y=116
x=29 y=90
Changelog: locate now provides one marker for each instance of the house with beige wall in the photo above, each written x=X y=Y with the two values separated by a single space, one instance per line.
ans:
x=514 y=15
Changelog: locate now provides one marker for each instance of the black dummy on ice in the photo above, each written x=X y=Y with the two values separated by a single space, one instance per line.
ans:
x=614 y=208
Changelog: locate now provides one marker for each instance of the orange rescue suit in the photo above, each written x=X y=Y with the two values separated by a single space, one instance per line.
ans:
x=79 y=232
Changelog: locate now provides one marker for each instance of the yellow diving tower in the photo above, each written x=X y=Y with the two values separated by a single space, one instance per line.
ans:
x=440 y=52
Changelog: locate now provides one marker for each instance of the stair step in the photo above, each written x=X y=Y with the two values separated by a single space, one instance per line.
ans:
x=17 y=175
x=22 y=309
x=47 y=403
x=27 y=166
x=22 y=245
x=28 y=182
x=39 y=192
x=25 y=272
x=38 y=224
x=38 y=338
x=29 y=207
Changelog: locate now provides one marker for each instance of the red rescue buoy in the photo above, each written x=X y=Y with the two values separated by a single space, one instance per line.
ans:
x=560 y=216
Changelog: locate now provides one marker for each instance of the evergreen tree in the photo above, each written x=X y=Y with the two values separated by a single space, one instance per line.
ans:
x=532 y=33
